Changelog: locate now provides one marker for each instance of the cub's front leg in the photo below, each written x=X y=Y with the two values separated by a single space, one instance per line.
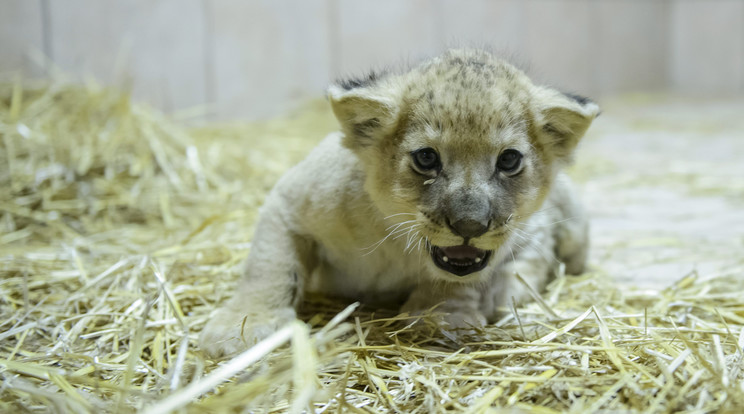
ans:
x=457 y=303
x=271 y=288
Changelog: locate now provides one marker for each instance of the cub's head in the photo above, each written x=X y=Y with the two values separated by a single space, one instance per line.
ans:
x=458 y=151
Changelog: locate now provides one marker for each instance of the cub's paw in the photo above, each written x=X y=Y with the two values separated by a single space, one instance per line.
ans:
x=459 y=320
x=464 y=320
x=230 y=331
x=454 y=314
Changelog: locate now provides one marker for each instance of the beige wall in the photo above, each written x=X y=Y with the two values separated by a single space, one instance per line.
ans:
x=255 y=58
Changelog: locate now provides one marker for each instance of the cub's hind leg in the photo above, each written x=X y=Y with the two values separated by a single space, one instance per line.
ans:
x=272 y=286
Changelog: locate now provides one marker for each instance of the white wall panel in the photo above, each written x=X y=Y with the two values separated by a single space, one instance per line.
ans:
x=629 y=45
x=268 y=55
x=558 y=43
x=158 y=45
x=257 y=58
x=384 y=32
x=707 y=46
x=21 y=34
x=495 y=24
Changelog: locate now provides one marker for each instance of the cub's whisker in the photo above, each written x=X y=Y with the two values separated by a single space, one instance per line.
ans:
x=410 y=243
x=407 y=231
x=536 y=212
x=399 y=214
x=397 y=225
x=532 y=243
x=398 y=230
x=542 y=225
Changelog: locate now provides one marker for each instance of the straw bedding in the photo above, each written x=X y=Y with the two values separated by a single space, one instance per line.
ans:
x=120 y=229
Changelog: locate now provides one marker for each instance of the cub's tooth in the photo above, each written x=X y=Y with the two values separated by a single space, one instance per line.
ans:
x=477 y=260
x=445 y=259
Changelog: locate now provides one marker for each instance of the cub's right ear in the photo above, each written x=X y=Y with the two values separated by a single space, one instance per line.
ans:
x=366 y=114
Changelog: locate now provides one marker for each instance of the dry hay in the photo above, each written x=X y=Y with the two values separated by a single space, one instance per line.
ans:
x=121 y=229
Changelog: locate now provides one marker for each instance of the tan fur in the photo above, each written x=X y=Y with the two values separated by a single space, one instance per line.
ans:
x=357 y=219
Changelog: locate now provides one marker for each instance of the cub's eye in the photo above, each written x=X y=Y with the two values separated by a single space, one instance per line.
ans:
x=509 y=161
x=426 y=159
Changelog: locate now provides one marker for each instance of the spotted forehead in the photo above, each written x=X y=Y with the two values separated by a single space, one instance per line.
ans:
x=467 y=110
x=478 y=118
x=475 y=105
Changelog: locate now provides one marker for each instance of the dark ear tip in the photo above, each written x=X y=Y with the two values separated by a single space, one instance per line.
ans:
x=582 y=100
x=369 y=79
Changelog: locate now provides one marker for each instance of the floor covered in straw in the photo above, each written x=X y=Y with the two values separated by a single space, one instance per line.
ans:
x=121 y=229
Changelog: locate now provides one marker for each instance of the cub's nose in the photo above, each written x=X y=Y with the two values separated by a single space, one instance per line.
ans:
x=468 y=228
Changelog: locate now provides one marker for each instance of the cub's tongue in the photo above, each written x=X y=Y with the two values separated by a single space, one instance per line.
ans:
x=462 y=252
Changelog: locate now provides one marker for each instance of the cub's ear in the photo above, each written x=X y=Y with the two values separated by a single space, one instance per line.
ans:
x=562 y=119
x=366 y=114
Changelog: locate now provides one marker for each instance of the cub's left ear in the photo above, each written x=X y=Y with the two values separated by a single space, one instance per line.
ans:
x=562 y=119
x=366 y=114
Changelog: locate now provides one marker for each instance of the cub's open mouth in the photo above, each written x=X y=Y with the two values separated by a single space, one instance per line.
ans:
x=460 y=260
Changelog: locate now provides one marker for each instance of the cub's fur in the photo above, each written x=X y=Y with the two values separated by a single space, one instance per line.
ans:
x=441 y=186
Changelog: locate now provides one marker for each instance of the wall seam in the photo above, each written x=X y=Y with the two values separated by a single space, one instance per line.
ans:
x=46 y=35
x=593 y=47
x=208 y=53
x=333 y=40
x=667 y=84
x=439 y=28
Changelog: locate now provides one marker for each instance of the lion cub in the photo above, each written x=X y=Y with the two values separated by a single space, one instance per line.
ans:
x=442 y=185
